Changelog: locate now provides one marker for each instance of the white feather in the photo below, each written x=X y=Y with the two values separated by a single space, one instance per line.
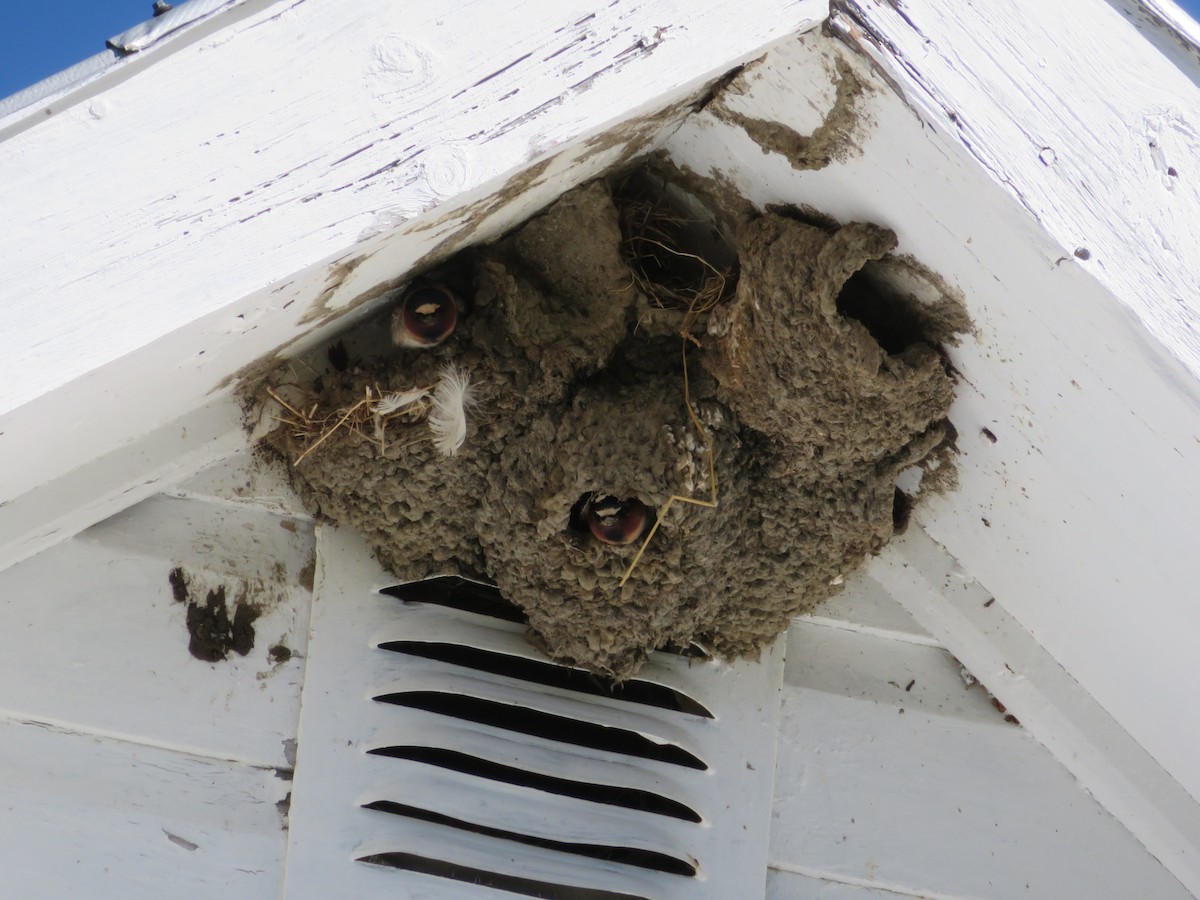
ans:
x=390 y=403
x=448 y=418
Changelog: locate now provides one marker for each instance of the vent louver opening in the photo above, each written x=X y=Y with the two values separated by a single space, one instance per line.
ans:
x=457 y=761
x=457 y=593
x=629 y=798
x=539 y=724
x=647 y=859
x=631 y=691
x=509 y=883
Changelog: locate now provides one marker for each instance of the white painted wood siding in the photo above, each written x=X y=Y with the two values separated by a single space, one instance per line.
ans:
x=895 y=773
x=130 y=769
x=1022 y=133
x=199 y=213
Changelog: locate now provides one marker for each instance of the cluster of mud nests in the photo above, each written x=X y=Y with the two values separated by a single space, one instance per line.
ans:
x=812 y=360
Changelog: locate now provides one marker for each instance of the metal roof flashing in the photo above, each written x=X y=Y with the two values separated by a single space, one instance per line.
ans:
x=14 y=105
x=141 y=36
x=119 y=61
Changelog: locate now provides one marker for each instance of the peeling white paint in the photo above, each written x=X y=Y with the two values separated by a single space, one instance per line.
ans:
x=160 y=230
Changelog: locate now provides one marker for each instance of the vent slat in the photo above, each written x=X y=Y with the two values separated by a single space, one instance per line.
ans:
x=423 y=622
x=630 y=856
x=612 y=795
x=406 y=674
x=546 y=725
x=690 y=786
x=463 y=594
x=579 y=681
x=523 y=810
x=514 y=884
x=454 y=846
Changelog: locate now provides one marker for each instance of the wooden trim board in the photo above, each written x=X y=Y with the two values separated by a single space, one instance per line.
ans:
x=167 y=232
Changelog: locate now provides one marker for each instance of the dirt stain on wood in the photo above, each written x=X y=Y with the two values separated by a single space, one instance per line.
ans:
x=837 y=138
x=212 y=632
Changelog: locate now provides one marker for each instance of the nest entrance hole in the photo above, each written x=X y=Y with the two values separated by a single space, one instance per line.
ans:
x=901 y=303
x=682 y=258
x=902 y=507
x=626 y=522
x=891 y=320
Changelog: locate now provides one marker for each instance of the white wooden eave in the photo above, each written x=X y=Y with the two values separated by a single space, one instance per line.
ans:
x=277 y=166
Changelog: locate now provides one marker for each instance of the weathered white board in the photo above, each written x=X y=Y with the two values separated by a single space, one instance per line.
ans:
x=223 y=202
x=1100 y=145
x=84 y=816
x=42 y=515
x=1130 y=783
x=783 y=885
x=243 y=480
x=1100 y=496
x=94 y=640
x=1080 y=516
x=895 y=774
x=865 y=606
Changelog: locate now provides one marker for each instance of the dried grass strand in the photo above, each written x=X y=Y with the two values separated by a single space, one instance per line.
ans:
x=312 y=429
x=644 y=227
x=712 y=474
x=278 y=399
x=329 y=433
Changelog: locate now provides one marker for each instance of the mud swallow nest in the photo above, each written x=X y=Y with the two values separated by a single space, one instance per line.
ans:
x=815 y=373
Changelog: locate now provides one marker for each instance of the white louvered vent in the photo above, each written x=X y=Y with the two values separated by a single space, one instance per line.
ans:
x=440 y=756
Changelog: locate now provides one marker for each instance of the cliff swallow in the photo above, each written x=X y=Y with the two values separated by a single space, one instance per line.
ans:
x=614 y=521
x=425 y=317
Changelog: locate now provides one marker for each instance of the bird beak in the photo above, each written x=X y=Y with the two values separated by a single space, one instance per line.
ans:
x=425 y=317
x=614 y=521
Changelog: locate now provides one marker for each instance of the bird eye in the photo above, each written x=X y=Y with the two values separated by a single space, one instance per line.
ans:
x=425 y=317
x=614 y=521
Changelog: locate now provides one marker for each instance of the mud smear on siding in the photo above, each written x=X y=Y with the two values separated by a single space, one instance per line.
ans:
x=338 y=273
x=212 y=631
x=816 y=375
x=837 y=138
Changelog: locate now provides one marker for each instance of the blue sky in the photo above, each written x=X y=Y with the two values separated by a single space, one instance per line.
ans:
x=42 y=37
